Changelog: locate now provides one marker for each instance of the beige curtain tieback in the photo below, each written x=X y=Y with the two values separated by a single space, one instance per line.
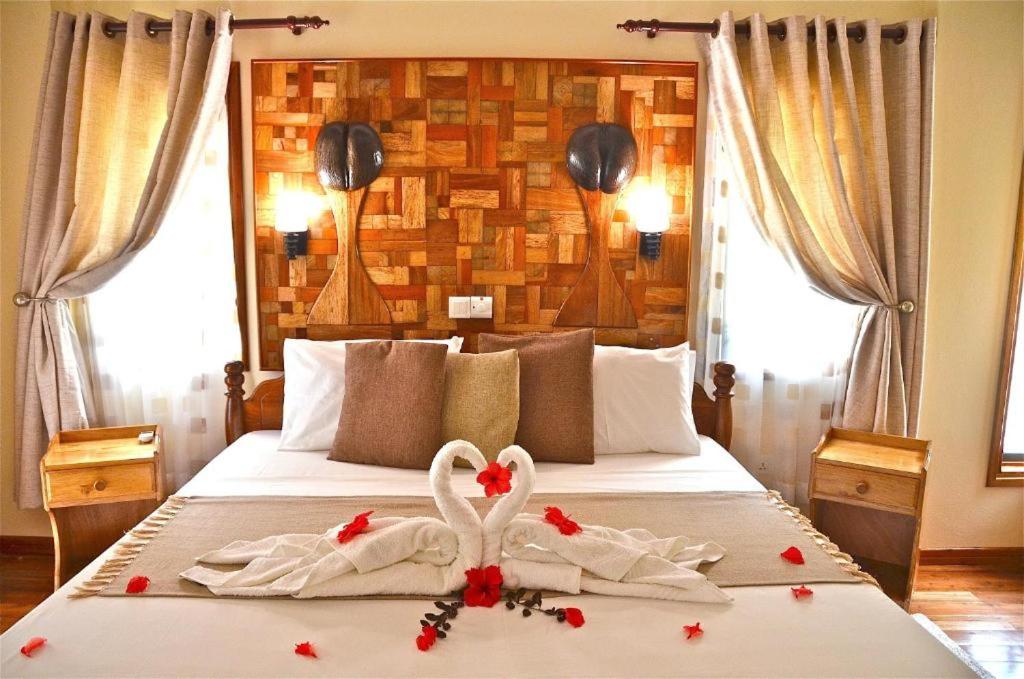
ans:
x=906 y=306
x=24 y=299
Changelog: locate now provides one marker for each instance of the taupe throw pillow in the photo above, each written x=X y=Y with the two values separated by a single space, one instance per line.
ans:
x=556 y=393
x=481 y=401
x=391 y=415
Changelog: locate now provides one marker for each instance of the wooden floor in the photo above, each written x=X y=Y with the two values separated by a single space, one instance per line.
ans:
x=981 y=608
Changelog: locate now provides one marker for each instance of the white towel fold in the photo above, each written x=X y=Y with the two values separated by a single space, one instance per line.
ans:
x=607 y=561
x=393 y=556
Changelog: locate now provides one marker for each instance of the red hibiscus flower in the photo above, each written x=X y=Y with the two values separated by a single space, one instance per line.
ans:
x=427 y=638
x=574 y=617
x=34 y=644
x=566 y=526
x=793 y=555
x=801 y=592
x=484 y=587
x=137 y=585
x=495 y=479
x=693 y=630
x=306 y=649
x=354 y=527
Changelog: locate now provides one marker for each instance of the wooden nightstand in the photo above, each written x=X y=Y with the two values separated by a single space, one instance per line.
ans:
x=97 y=485
x=866 y=493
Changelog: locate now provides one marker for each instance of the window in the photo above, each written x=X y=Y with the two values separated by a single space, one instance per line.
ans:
x=1006 y=465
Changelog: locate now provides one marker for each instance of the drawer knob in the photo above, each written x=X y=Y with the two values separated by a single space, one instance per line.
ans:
x=862 y=487
x=100 y=485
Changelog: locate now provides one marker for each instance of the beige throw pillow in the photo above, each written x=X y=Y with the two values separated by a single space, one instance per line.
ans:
x=481 y=401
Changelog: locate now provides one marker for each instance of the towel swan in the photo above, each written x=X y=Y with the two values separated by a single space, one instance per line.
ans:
x=394 y=556
x=534 y=554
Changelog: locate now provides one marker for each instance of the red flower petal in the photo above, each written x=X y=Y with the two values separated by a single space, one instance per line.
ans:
x=566 y=526
x=354 y=527
x=492 y=576
x=495 y=479
x=137 y=585
x=32 y=646
x=574 y=617
x=430 y=633
x=801 y=591
x=693 y=630
x=793 y=555
x=306 y=649
x=422 y=643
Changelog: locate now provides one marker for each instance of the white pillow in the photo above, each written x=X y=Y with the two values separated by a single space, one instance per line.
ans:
x=643 y=401
x=314 y=389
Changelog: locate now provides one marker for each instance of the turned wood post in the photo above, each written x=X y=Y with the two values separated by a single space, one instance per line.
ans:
x=234 y=411
x=725 y=380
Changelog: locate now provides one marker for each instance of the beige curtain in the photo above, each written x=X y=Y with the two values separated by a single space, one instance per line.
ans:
x=117 y=120
x=831 y=142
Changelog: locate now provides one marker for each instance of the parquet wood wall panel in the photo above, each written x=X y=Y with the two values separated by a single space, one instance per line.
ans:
x=474 y=198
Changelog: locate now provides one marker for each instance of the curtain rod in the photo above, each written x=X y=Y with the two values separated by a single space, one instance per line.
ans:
x=653 y=26
x=292 y=23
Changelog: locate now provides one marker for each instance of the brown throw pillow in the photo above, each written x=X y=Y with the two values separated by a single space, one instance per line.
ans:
x=391 y=415
x=481 y=401
x=556 y=393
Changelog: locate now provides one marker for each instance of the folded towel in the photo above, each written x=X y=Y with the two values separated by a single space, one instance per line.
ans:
x=392 y=556
x=509 y=506
x=606 y=561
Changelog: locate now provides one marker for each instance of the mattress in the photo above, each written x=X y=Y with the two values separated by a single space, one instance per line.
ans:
x=844 y=630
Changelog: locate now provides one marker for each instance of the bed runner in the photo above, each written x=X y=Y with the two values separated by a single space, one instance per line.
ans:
x=753 y=527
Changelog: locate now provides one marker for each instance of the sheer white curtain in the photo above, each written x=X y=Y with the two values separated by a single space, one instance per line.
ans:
x=790 y=344
x=160 y=332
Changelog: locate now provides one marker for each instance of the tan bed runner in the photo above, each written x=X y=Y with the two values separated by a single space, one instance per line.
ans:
x=752 y=527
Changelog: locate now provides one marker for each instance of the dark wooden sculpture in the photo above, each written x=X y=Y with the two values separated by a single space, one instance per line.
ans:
x=349 y=156
x=601 y=159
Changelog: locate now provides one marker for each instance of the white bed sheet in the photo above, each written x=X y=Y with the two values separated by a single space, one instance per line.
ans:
x=845 y=630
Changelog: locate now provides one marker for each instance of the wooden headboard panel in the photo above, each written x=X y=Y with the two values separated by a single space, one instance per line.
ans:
x=263 y=410
x=474 y=197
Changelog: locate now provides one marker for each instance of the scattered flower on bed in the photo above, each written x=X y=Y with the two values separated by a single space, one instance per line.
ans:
x=306 y=649
x=693 y=630
x=573 y=616
x=484 y=587
x=137 y=585
x=793 y=555
x=566 y=526
x=436 y=626
x=801 y=592
x=354 y=527
x=427 y=638
x=496 y=479
x=33 y=645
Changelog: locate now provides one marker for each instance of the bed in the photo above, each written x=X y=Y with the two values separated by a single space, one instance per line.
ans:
x=848 y=629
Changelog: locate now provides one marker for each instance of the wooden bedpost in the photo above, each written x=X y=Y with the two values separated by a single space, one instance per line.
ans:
x=234 y=413
x=725 y=380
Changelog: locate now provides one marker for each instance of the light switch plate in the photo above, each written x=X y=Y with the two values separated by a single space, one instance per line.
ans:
x=481 y=307
x=459 y=307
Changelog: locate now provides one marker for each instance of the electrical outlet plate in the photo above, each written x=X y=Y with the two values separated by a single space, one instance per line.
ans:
x=459 y=307
x=481 y=307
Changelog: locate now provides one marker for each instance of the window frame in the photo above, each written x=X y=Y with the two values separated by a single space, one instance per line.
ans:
x=996 y=475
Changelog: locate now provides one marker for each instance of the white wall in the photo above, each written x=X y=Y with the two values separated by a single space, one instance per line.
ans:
x=978 y=77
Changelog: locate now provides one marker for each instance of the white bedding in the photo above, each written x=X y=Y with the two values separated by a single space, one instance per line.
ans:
x=845 y=630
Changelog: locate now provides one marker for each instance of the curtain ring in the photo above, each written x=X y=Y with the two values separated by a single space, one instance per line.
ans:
x=150 y=31
x=832 y=31
x=862 y=33
x=106 y=30
x=718 y=27
x=652 y=32
x=902 y=37
x=781 y=29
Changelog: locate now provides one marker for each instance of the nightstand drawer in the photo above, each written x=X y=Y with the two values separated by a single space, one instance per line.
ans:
x=100 y=484
x=866 y=487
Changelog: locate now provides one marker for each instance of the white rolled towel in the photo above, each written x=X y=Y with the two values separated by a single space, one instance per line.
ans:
x=607 y=561
x=392 y=556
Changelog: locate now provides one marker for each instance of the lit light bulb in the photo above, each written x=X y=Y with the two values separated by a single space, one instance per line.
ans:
x=649 y=207
x=292 y=212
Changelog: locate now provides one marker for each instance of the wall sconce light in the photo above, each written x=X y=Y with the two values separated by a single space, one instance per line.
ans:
x=649 y=207
x=292 y=212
